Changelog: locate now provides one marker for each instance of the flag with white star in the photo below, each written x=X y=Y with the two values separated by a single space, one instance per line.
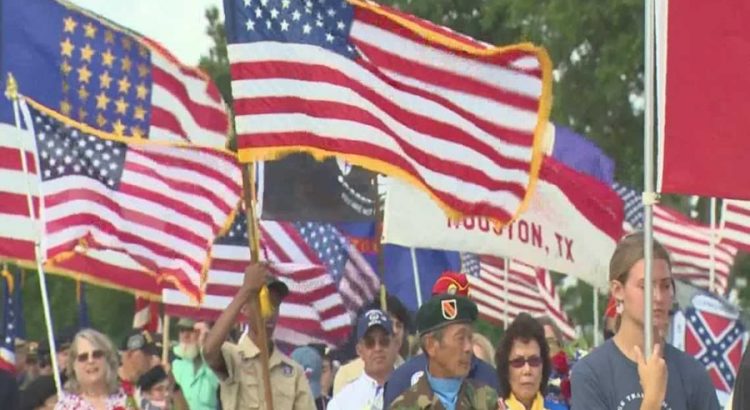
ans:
x=161 y=205
x=9 y=328
x=389 y=92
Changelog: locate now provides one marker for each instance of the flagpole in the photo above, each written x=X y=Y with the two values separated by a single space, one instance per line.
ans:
x=381 y=255
x=506 y=294
x=649 y=195
x=165 y=341
x=415 y=272
x=596 y=316
x=712 y=248
x=11 y=92
x=248 y=189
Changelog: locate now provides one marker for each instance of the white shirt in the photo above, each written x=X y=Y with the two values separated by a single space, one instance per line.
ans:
x=361 y=394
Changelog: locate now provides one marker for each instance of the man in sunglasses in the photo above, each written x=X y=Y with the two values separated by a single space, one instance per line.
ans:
x=444 y=324
x=374 y=338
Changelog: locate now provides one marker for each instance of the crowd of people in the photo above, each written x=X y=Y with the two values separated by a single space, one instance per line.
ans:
x=212 y=366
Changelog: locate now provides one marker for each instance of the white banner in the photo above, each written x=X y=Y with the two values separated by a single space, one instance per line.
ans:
x=571 y=225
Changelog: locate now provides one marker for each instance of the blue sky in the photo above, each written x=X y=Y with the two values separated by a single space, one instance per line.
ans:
x=178 y=25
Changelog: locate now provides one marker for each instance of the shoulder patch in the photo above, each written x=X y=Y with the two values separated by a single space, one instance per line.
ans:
x=287 y=369
x=416 y=376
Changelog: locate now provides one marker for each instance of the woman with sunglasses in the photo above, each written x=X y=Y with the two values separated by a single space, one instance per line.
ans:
x=92 y=379
x=523 y=366
x=616 y=375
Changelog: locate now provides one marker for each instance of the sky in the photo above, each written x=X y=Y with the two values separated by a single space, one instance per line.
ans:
x=179 y=25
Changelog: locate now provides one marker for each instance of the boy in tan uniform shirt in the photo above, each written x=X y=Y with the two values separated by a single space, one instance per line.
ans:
x=238 y=366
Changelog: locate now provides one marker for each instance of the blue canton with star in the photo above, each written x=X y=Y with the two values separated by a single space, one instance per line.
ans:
x=324 y=23
x=470 y=264
x=66 y=151
x=106 y=77
x=9 y=328
x=633 y=206
x=237 y=233
x=715 y=349
x=329 y=245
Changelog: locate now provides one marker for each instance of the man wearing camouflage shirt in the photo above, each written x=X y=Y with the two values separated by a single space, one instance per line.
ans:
x=444 y=325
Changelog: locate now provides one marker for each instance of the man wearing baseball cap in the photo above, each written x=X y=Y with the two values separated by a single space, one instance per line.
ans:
x=444 y=324
x=136 y=351
x=238 y=366
x=374 y=338
x=451 y=283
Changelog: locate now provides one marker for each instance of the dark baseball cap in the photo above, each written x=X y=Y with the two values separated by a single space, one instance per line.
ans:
x=275 y=284
x=140 y=340
x=373 y=318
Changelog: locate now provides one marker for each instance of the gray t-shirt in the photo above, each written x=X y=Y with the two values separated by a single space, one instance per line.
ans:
x=607 y=380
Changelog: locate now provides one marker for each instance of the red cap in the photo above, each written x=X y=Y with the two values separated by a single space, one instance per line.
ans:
x=451 y=282
x=611 y=310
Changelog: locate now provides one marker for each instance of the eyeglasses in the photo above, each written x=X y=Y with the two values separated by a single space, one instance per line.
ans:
x=371 y=341
x=519 y=362
x=93 y=355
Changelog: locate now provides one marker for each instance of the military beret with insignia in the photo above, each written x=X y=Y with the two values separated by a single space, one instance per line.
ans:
x=443 y=310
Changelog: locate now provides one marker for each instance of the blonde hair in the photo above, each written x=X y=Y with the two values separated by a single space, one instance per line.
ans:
x=485 y=346
x=99 y=342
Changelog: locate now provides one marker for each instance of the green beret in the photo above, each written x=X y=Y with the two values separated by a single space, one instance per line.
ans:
x=443 y=310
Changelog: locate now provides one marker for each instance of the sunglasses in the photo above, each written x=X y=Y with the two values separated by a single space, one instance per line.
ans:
x=93 y=355
x=519 y=362
x=371 y=341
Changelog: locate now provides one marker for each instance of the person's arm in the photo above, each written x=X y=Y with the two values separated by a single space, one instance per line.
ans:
x=304 y=399
x=585 y=389
x=255 y=277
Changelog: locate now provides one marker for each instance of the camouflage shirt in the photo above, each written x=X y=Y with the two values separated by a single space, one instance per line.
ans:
x=472 y=396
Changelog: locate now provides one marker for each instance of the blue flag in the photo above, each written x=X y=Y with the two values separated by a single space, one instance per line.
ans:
x=577 y=152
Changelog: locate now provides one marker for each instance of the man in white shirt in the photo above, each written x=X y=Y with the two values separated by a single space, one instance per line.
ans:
x=374 y=331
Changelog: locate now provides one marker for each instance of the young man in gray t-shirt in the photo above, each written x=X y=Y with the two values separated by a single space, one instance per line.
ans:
x=616 y=375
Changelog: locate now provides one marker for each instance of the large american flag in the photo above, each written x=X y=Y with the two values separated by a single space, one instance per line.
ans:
x=319 y=275
x=161 y=205
x=735 y=223
x=688 y=242
x=390 y=92
x=529 y=290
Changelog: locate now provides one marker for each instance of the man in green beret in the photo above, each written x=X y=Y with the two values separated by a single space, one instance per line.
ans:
x=444 y=325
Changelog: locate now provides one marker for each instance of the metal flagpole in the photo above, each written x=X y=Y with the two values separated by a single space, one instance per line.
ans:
x=506 y=294
x=712 y=247
x=596 y=316
x=649 y=196
x=12 y=93
x=415 y=272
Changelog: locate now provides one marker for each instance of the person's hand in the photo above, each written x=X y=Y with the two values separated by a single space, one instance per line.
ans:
x=653 y=376
x=202 y=329
x=255 y=277
x=501 y=404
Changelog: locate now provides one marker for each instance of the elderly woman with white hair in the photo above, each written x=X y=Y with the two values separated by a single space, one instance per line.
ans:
x=92 y=378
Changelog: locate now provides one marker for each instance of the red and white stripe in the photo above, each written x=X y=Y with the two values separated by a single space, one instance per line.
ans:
x=147 y=315
x=185 y=103
x=735 y=224
x=689 y=246
x=529 y=290
x=461 y=125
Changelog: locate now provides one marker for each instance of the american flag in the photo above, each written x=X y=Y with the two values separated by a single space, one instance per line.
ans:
x=688 y=242
x=530 y=290
x=108 y=77
x=390 y=92
x=9 y=328
x=147 y=315
x=717 y=342
x=315 y=310
x=735 y=223
x=161 y=205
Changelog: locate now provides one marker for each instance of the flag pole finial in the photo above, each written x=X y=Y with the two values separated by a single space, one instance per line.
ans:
x=11 y=87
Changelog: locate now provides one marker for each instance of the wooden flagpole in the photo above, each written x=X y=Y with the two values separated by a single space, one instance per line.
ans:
x=253 y=235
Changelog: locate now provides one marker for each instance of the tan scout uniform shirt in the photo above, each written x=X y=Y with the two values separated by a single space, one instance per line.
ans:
x=243 y=388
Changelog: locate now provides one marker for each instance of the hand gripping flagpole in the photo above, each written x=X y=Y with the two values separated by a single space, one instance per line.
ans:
x=649 y=196
x=11 y=92
x=248 y=188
